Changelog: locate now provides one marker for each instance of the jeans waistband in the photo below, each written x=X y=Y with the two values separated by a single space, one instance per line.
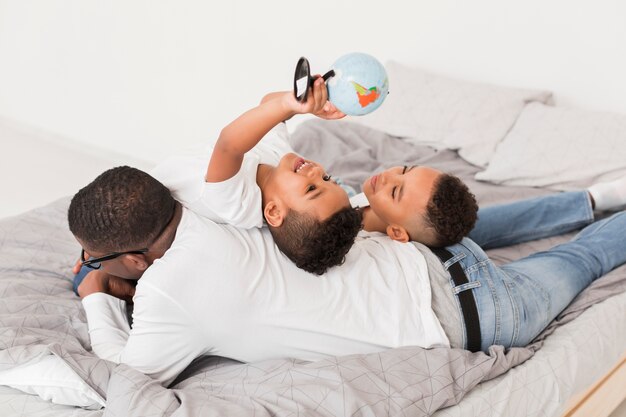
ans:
x=466 y=300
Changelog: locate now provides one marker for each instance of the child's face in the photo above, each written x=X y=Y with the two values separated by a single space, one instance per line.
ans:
x=304 y=186
x=400 y=195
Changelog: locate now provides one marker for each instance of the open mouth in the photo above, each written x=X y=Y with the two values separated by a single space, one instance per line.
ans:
x=373 y=181
x=300 y=164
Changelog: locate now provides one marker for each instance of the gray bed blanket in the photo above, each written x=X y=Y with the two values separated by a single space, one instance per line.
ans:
x=40 y=315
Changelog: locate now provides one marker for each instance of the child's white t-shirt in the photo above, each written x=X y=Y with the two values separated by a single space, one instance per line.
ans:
x=236 y=201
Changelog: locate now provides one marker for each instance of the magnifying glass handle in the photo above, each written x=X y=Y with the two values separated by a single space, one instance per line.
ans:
x=329 y=74
x=325 y=77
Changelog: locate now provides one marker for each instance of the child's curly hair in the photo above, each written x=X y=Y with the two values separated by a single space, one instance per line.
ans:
x=452 y=211
x=316 y=245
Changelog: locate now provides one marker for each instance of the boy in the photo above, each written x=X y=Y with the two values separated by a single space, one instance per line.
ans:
x=419 y=204
x=249 y=181
x=424 y=205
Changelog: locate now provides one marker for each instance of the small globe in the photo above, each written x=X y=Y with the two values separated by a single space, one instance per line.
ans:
x=360 y=84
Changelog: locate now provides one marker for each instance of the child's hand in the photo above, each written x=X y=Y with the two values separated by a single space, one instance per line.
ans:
x=317 y=103
x=330 y=112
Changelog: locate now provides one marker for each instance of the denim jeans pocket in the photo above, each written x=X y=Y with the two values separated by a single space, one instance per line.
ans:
x=530 y=307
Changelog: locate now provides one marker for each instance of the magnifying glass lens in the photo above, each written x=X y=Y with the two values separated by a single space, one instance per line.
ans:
x=301 y=79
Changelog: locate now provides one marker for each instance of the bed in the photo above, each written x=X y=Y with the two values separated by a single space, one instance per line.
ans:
x=42 y=320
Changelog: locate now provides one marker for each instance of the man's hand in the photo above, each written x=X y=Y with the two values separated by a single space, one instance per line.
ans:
x=100 y=281
x=77 y=266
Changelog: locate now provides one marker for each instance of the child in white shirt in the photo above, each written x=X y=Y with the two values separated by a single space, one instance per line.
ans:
x=250 y=180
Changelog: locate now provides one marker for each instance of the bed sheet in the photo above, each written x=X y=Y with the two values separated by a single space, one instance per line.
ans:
x=572 y=358
x=14 y=403
x=45 y=317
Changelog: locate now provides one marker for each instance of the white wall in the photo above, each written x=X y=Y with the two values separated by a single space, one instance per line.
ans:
x=37 y=167
x=147 y=77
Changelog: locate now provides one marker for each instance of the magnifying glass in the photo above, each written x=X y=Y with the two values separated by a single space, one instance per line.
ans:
x=303 y=80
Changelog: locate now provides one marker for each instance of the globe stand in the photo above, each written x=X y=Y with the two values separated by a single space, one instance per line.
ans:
x=303 y=80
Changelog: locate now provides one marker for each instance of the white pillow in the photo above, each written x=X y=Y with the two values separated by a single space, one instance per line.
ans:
x=560 y=148
x=53 y=380
x=448 y=113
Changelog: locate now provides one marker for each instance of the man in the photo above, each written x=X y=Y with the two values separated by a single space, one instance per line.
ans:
x=215 y=289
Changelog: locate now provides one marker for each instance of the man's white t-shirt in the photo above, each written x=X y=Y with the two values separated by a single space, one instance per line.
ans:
x=235 y=201
x=228 y=291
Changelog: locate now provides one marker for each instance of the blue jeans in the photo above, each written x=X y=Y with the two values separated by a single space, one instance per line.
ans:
x=517 y=301
x=531 y=219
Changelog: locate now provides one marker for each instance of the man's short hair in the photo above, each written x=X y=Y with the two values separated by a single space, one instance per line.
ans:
x=452 y=210
x=316 y=246
x=122 y=209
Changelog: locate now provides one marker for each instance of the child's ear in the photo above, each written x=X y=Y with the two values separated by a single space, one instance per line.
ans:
x=398 y=233
x=274 y=214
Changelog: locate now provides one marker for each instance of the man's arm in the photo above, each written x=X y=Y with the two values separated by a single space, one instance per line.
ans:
x=162 y=342
x=247 y=130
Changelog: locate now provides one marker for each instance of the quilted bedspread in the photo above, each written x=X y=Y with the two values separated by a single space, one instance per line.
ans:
x=40 y=315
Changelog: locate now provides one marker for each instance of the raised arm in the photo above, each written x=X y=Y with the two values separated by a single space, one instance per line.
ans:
x=247 y=130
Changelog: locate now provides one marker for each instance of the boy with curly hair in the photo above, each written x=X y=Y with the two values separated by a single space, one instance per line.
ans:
x=253 y=178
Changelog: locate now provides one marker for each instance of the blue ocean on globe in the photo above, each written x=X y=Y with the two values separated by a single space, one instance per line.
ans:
x=360 y=84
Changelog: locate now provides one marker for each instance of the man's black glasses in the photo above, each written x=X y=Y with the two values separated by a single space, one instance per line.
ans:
x=96 y=263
